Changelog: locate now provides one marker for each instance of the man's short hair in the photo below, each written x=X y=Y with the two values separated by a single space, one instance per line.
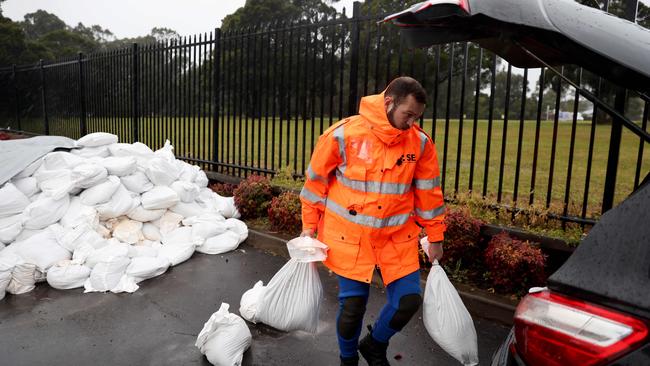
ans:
x=403 y=86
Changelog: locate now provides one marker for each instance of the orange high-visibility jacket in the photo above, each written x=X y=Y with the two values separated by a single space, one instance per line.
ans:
x=366 y=186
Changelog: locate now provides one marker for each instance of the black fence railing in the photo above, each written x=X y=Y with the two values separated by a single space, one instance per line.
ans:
x=255 y=100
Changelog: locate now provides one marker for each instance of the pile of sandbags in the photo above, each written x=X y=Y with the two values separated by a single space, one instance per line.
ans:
x=107 y=216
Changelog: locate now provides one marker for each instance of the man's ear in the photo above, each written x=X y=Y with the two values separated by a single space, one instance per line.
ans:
x=388 y=100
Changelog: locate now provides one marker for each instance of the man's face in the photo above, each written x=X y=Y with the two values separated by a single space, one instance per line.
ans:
x=404 y=115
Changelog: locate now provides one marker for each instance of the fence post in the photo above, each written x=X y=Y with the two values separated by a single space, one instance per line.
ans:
x=354 y=58
x=135 y=94
x=617 y=128
x=43 y=98
x=82 y=95
x=13 y=78
x=217 y=90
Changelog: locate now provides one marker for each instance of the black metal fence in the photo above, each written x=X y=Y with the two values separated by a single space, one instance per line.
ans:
x=255 y=100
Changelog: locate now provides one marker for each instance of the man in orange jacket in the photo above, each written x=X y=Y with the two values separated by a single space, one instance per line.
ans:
x=372 y=183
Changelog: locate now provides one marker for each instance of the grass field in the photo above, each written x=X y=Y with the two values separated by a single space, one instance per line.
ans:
x=259 y=145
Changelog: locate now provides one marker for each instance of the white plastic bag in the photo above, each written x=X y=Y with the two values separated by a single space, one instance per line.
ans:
x=120 y=204
x=224 y=338
x=177 y=246
x=45 y=211
x=306 y=249
x=10 y=228
x=112 y=250
x=162 y=172
x=151 y=232
x=128 y=231
x=186 y=191
x=221 y=243
x=187 y=209
x=27 y=185
x=7 y=264
x=88 y=175
x=445 y=316
x=42 y=250
x=167 y=223
x=106 y=275
x=143 y=215
x=119 y=166
x=79 y=214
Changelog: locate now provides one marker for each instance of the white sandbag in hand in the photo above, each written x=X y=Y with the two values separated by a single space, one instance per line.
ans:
x=292 y=298
x=445 y=316
x=224 y=338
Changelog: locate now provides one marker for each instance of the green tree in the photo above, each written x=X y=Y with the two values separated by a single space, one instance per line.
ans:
x=40 y=23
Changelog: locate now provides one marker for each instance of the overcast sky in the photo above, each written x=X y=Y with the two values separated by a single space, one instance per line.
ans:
x=132 y=18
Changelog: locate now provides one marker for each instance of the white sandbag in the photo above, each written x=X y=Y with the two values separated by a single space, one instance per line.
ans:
x=7 y=264
x=445 y=316
x=168 y=222
x=151 y=232
x=138 y=150
x=249 y=302
x=82 y=252
x=45 y=211
x=201 y=179
x=10 y=228
x=79 y=213
x=88 y=175
x=143 y=268
x=139 y=213
x=28 y=185
x=186 y=191
x=188 y=171
x=100 y=193
x=112 y=250
x=56 y=183
x=30 y=170
x=42 y=250
x=187 y=209
x=137 y=182
x=159 y=197
x=106 y=275
x=166 y=152
x=176 y=254
x=119 y=205
x=229 y=209
x=224 y=338
x=144 y=250
x=67 y=275
x=60 y=160
x=120 y=166
x=22 y=274
x=205 y=226
x=292 y=298
x=72 y=237
x=162 y=172
x=177 y=246
x=222 y=243
x=97 y=139
x=239 y=227
x=128 y=231
x=92 y=152
x=12 y=200
x=27 y=233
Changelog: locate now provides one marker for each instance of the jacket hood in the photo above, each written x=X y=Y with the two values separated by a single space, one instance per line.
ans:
x=372 y=110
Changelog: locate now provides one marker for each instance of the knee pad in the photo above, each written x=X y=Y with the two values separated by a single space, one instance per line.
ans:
x=408 y=306
x=352 y=311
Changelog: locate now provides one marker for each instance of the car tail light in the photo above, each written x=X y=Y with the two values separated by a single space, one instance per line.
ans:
x=464 y=4
x=551 y=329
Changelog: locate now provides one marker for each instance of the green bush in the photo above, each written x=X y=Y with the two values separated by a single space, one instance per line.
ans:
x=253 y=196
x=514 y=265
x=285 y=213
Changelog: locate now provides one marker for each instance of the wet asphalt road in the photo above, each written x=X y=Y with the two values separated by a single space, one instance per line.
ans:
x=158 y=324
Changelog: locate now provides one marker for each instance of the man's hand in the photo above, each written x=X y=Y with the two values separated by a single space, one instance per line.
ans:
x=435 y=251
x=307 y=232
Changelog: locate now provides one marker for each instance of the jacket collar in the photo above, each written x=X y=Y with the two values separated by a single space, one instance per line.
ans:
x=372 y=110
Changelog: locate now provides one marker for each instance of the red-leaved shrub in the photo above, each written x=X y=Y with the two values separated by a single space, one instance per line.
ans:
x=223 y=189
x=285 y=213
x=253 y=196
x=514 y=265
x=462 y=238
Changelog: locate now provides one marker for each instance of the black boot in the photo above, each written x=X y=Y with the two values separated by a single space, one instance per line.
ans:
x=350 y=361
x=373 y=351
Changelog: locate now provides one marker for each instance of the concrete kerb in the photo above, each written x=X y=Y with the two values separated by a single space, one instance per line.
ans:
x=477 y=303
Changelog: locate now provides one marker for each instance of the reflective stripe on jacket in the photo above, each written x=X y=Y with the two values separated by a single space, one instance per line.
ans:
x=366 y=186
